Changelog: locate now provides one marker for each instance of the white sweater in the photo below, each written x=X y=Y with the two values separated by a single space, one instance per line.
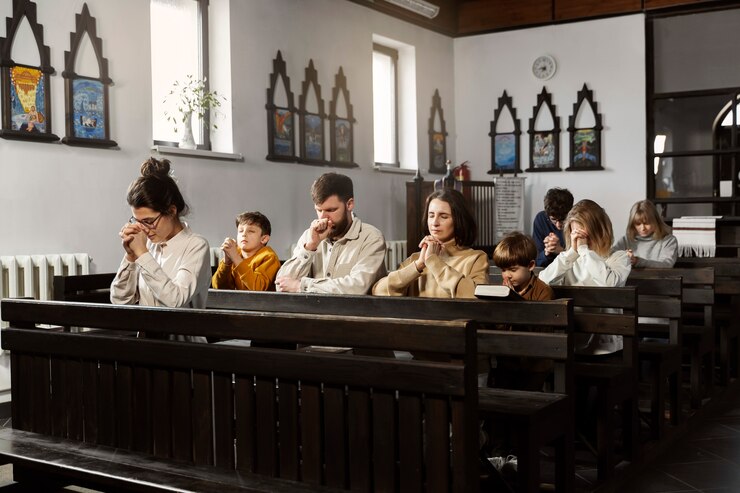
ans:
x=660 y=254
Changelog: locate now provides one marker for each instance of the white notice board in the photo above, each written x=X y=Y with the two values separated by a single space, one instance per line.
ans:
x=509 y=197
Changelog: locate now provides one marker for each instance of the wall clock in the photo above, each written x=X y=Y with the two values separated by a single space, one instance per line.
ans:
x=544 y=67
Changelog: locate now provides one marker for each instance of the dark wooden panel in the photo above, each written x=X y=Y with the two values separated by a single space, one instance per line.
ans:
x=106 y=399
x=202 y=419
x=223 y=420
x=411 y=444
x=124 y=405
x=41 y=397
x=311 y=437
x=182 y=417
x=576 y=9
x=141 y=411
x=487 y=15
x=245 y=423
x=335 y=454
x=90 y=390
x=266 y=432
x=73 y=393
x=384 y=447
x=358 y=416
x=444 y=22
x=657 y=4
x=437 y=431
x=288 y=436
x=162 y=413
x=58 y=398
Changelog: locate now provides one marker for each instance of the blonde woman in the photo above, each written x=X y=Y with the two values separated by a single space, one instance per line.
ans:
x=589 y=261
x=648 y=240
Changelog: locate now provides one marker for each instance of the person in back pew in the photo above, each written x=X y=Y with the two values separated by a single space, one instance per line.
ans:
x=587 y=261
x=547 y=228
x=648 y=240
x=515 y=255
x=446 y=266
x=338 y=253
x=250 y=264
x=165 y=263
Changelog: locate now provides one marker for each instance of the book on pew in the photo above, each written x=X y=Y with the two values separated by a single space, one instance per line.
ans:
x=496 y=292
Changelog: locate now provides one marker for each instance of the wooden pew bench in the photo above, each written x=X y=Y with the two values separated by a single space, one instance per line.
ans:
x=698 y=334
x=534 y=416
x=726 y=310
x=132 y=414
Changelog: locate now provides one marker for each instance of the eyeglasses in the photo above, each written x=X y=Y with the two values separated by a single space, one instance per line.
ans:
x=148 y=222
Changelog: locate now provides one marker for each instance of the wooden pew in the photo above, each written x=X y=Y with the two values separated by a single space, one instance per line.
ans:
x=616 y=383
x=531 y=414
x=661 y=298
x=125 y=413
x=698 y=332
x=726 y=310
x=536 y=418
x=91 y=288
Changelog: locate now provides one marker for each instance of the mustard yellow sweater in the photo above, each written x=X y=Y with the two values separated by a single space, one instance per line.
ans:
x=256 y=273
x=453 y=273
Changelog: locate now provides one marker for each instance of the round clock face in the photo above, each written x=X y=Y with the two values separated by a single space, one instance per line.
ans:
x=544 y=67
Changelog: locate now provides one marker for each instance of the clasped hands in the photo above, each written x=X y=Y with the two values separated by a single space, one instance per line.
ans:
x=578 y=237
x=232 y=254
x=429 y=246
x=319 y=230
x=133 y=240
x=552 y=244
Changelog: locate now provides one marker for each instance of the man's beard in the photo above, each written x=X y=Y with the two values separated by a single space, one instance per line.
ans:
x=340 y=228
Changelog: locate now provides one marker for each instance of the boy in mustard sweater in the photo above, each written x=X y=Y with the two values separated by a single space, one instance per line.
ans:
x=248 y=262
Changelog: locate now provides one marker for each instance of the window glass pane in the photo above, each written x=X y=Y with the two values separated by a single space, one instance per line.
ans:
x=688 y=123
x=384 y=112
x=175 y=47
x=689 y=176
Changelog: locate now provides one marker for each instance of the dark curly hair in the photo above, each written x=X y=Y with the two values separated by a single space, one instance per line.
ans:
x=156 y=189
x=558 y=202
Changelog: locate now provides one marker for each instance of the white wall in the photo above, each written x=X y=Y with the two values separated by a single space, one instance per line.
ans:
x=55 y=198
x=609 y=56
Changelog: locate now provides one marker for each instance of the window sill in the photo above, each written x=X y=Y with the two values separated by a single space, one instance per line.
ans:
x=392 y=169
x=198 y=153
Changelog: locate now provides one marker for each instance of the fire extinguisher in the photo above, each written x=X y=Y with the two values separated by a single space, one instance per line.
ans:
x=462 y=172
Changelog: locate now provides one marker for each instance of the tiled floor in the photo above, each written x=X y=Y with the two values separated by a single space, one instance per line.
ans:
x=706 y=460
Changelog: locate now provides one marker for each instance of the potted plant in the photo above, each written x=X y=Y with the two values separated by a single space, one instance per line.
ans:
x=191 y=100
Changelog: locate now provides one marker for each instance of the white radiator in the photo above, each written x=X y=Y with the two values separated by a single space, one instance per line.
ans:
x=216 y=255
x=33 y=275
x=395 y=253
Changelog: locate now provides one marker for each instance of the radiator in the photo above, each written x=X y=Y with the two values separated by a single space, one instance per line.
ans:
x=216 y=255
x=32 y=276
x=395 y=253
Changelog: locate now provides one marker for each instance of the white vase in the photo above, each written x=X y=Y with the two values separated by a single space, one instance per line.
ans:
x=186 y=139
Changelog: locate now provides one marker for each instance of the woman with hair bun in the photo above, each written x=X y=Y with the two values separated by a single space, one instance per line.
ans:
x=165 y=263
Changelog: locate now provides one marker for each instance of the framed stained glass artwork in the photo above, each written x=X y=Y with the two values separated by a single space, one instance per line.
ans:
x=26 y=95
x=585 y=141
x=544 y=138
x=341 y=128
x=280 y=114
x=505 y=133
x=87 y=119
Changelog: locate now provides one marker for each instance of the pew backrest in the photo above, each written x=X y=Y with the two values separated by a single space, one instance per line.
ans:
x=343 y=421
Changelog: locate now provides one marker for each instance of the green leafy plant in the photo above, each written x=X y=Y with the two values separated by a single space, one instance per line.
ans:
x=191 y=98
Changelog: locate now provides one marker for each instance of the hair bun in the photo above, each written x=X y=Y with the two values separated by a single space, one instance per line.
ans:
x=155 y=167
